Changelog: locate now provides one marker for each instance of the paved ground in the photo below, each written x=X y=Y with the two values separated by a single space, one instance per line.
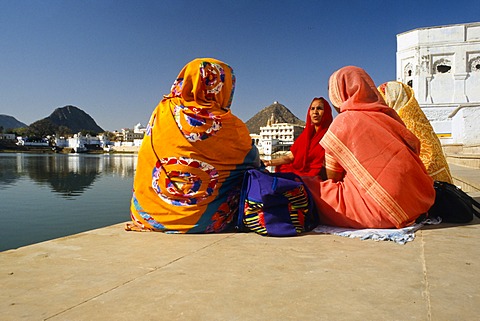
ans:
x=110 y=274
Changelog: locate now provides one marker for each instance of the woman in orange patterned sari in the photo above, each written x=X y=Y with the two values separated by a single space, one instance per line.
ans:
x=376 y=179
x=193 y=156
x=400 y=97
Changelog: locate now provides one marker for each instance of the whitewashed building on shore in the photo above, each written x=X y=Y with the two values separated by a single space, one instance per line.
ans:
x=134 y=136
x=276 y=136
x=442 y=65
x=130 y=138
x=80 y=143
x=7 y=136
x=26 y=141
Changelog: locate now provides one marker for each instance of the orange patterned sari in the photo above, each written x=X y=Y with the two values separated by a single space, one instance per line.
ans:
x=193 y=156
x=384 y=182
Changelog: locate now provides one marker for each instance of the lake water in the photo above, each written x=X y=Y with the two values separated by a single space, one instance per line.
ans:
x=46 y=196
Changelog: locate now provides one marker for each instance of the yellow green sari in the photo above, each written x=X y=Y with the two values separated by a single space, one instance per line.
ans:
x=400 y=97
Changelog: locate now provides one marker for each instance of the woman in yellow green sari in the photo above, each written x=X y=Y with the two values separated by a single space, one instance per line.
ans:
x=400 y=97
x=193 y=156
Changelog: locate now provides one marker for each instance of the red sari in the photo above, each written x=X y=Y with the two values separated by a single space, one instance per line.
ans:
x=385 y=184
x=309 y=155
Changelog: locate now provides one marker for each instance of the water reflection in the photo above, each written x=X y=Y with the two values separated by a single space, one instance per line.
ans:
x=8 y=173
x=66 y=174
x=46 y=196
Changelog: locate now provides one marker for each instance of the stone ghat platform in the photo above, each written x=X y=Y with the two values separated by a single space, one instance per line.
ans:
x=110 y=274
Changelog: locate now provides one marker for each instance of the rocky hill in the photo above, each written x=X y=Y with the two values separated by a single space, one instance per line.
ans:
x=10 y=122
x=280 y=113
x=74 y=118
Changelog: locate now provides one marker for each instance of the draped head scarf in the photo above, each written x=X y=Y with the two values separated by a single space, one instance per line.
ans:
x=397 y=95
x=351 y=88
x=204 y=83
x=308 y=154
x=200 y=96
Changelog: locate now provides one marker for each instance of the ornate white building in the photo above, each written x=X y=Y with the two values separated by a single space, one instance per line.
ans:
x=442 y=65
x=276 y=136
x=128 y=135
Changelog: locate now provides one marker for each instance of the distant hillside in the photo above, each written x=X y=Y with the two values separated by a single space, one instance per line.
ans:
x=73 y=118
x=281 y=114
x=10 y=122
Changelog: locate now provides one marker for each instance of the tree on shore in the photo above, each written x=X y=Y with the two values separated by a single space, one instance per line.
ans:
x=111 y=136
x=42 y=128
x=63 y=131
x=85 y=132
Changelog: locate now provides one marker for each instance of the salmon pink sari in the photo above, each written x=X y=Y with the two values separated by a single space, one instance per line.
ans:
x=384 y=183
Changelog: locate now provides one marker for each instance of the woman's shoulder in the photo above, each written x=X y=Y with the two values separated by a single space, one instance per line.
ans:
x=347 y=120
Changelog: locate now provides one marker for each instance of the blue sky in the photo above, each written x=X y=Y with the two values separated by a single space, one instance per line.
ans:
x=115 y=59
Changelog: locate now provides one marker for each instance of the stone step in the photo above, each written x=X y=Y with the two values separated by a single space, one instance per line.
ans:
x=461 y=149
x=471 y=149
x=452 y=148
x=467 y=178
x=463 y=159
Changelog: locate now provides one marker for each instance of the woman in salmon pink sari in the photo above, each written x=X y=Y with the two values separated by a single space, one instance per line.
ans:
x=375 y=176
x=307 y=156
x=193 y=156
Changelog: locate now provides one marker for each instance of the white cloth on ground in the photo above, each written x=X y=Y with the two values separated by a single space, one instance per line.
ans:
x=400 y=236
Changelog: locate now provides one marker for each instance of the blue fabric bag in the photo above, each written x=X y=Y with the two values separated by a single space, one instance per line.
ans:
x=275 y=204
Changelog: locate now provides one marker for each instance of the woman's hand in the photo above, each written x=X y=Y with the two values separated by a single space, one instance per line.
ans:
x=286 y=159
x=335 y=176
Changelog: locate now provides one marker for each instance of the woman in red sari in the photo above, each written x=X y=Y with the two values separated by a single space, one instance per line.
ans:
x=306 y=156
x=375 y=176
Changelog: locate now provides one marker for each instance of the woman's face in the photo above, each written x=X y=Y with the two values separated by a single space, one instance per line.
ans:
x=316 y=112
